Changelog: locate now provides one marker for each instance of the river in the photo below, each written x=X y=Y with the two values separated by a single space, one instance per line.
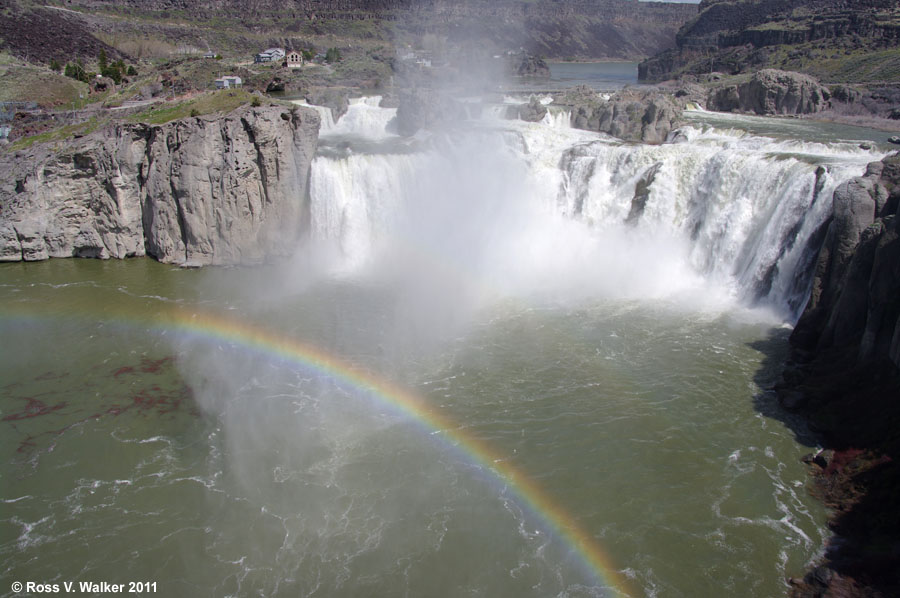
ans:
x=474 y=378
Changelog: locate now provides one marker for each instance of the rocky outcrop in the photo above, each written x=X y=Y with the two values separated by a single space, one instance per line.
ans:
x=848 y=304
x=559 y=28
x=742 y=36
x=205 y=190
x=528 y=65
x=336 y=98
x=533 y=111
x=771 y=91
x=642 y=194
x=844 y=377
x=632 y=115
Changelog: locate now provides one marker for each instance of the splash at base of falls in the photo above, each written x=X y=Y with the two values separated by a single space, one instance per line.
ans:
x=519 y=208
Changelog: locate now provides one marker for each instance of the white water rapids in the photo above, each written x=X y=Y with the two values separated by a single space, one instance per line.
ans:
x=509 y=206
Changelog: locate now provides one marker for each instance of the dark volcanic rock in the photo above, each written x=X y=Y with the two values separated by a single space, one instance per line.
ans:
x=771 y=91
x=533 y=111
x=642 y=194
x=336 y=98
x=526 y=65
x=44 y=34
x=833 y=305
x=558 y=28
x=742 y=36
x=847 y=384
x=633 y=115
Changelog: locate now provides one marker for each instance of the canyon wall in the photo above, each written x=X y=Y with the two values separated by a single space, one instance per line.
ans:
x=820 y=37
x=205 y=190
x=558 y=28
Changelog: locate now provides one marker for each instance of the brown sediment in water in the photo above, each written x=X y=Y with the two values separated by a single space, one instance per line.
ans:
x=152 y=400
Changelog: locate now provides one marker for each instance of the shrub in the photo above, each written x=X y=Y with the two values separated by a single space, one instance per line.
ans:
x=256 y=102
x=332 y=55
x=76 y=71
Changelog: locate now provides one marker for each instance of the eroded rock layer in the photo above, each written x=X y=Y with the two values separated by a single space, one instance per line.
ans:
x=217 y=190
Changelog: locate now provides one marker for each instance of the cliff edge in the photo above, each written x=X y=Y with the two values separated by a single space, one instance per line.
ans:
x=844 y=377
x=204 y=190
x=836 y=41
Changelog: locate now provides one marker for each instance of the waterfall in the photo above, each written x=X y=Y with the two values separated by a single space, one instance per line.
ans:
x=326 y=118
x=364 y=118
x=548 y=206
x=558 y=119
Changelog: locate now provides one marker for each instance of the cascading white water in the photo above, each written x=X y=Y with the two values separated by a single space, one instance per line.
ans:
x=558 y=119
x=364 y=118
x=326 y=118
x=543 y=206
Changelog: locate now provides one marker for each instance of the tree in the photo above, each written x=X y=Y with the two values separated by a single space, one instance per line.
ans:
x=101 y=60
x=332 y=55
x=76 y=71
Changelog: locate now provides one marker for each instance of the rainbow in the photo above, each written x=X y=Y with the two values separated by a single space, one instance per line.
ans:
x=214 y=327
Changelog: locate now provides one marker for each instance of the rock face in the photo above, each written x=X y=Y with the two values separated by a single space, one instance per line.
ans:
x=771 y=91
x=528 y=65
x=855 y=298
x=741 y=36
x=558 y=28
x=533 y=111
x=338 y=99
x=844 y=377
x=647 y=116
x=205 y=190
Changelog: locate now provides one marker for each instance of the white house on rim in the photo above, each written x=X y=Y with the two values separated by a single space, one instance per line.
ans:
x=270 y=55
x=228 y=81
x=294 y=59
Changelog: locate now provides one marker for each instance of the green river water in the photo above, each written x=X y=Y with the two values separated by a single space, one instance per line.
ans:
x=136 y=453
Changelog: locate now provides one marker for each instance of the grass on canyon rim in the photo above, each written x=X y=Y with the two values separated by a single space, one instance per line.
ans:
x=224 y=100
x=23 y=82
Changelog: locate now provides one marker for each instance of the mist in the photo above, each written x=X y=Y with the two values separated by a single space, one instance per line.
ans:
x=428 y=258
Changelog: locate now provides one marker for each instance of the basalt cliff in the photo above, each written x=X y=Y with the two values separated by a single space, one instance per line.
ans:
x=844 y=377
x=553 y=28
x=837 y=41
x=203 y=190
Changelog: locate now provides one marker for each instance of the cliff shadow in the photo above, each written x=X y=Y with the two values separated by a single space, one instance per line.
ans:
x=851 y=412
x=776 y=351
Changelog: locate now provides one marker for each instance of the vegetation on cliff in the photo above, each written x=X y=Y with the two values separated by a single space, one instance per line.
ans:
x=854 y=41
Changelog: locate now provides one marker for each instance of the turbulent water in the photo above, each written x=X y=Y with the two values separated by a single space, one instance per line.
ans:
x=598 y=362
